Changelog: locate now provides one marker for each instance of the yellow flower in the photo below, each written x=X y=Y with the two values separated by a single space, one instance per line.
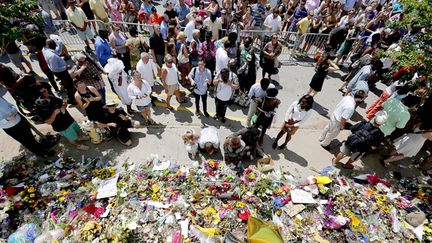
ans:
x=31 y=189
x=32 y=195
x=113 y=204
x=154 y=197
x=61 y=199
x=209 y=211
x=239 y=204
x=155 y=188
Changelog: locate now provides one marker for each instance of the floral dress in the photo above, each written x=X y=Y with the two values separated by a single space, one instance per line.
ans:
x=134 y=45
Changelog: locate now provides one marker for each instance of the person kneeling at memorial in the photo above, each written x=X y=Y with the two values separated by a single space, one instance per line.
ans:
x=209 y=140
x=117 y=122
x=234 y=150
x=366 y=136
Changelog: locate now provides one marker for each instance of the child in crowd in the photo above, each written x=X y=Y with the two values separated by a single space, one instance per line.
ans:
x=190 y=139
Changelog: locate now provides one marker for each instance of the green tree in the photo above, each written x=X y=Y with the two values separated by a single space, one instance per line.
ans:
x=417 y=18
x=13 y=16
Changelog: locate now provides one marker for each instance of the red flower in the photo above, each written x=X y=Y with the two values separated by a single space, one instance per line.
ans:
x=244 y=215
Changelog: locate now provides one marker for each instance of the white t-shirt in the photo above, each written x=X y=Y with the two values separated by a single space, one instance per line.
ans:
x=214 y=27
x=275 y=24
x=223 y=91
x=209 y=135
x=172 y=75
x=143 y=93
x=146 y=71
x=345 y=108
x=190 y=27
x=222 y=59
x=76 y=16
x=295 y=113
x=257 y=92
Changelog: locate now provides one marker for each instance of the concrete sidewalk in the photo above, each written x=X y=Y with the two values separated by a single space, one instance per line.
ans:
x=302 y=157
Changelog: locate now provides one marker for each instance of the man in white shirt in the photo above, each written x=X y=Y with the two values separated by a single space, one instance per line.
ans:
x=191 y=26
x=343 y=112
x=214 y=25
x=209 y=140
x=256 y=93
x=222 y=58
x=226 y=82
x=78 y=19
x=272 y=23
x=146 y=69
x=169 y=78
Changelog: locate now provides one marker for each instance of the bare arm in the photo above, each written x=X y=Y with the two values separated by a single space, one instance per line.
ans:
x=342 y=123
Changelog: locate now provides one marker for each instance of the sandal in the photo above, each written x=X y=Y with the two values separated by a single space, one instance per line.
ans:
x=348 y=166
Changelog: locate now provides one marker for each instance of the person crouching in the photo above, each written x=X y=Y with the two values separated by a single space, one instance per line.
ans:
x=118 y=122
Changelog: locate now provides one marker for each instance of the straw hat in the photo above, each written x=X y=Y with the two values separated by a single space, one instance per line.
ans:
x=111 y=103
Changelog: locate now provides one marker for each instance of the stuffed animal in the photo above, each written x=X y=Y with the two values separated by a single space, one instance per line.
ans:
x=89 y=128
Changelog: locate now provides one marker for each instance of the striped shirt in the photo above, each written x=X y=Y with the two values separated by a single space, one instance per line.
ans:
x=257 y=11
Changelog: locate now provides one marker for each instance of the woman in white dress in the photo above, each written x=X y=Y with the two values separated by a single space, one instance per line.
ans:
x=120 y=81
x=139 y=91
x=408 y=145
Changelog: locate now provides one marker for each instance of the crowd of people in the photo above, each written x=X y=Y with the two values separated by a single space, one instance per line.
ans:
x=206 y=47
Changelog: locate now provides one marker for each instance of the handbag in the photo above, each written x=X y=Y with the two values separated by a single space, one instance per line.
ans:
x=182 y=57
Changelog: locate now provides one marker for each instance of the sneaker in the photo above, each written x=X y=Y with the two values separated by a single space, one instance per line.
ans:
x=197 y=113
x=223 y=120
x=206 y=114
x=216 y=117
x=82 y=147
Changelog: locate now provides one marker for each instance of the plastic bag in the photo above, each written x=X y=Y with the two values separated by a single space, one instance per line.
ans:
x=260 y=231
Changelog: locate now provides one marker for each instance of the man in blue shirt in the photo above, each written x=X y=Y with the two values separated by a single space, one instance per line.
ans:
x=182 y=10
x=18 y=127
x=59 y=68
x=258 y=13
x=200 y=77
x=102 y=47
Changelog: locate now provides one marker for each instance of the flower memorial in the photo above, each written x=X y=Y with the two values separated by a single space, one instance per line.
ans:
x=161 y=201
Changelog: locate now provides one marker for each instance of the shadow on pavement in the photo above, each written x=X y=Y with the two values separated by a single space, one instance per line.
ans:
x=320 y=109
x=286 y=152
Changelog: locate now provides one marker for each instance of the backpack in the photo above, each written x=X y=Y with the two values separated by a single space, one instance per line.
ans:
x=362 y=139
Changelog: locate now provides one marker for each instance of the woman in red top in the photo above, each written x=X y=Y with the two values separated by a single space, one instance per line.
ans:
x=155 y=17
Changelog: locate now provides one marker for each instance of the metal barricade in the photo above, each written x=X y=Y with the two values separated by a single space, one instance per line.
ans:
x=262 y=37
x=69 y=35
x=309 y=44
x=293 y=45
